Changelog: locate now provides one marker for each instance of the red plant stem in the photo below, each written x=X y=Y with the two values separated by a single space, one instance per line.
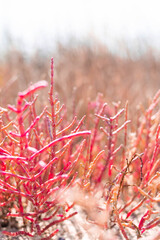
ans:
x=44 y=169
x=32 y=89
x=152 y=224
x=23 y=140
x=6 y=126
x=126 y=118
x=117 y=149
x=30 y=127
x=93 y=164
x=21 y=96
x=14 y=175
x=77 y=134
x=53 y=121
x=68 y=127
x=111 y=118
x=77 y=160
x=143 y=219
x=59 y=122
x=155 y=151
x=138 y=138
x=155 y=166
x=69 y=207
x=12 y=108
x=120 y=225
x=20 y=201
x=95 y=130
x=53 y=214
x=9 y=157
x=79 y=124
x=59 y=110
x=53 y=180
x=157 y=145
x=148 y=125
x=136 y=207
x=108 y=160
x=32 y=112
x=154 y=103
x=35 y=121
x=117 y=114
x=14 y=234
x=31 y=214
x=10 y=137
x=15 y=192
x=37 y=138
x=58 y=221
x=51 y=235
x=121 y=127
x=49 y=193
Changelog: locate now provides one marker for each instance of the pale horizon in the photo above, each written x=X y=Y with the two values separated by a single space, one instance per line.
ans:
x=39 y=23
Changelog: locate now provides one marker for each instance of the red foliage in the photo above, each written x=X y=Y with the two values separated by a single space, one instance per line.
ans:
x=42 y=156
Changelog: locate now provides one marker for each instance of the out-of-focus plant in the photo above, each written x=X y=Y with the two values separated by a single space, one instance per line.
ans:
x=126 y=173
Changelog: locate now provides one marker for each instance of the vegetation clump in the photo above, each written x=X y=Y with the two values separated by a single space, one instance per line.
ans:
x=49 y=165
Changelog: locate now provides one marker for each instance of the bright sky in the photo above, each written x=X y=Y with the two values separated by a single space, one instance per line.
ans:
x=38 y=22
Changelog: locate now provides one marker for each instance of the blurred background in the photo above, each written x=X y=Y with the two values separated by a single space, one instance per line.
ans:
x=103 y=46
